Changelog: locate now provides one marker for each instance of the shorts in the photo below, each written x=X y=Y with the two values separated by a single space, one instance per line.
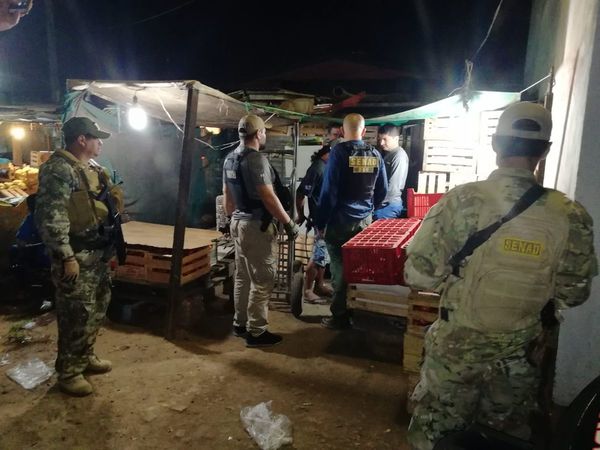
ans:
x=319 y=255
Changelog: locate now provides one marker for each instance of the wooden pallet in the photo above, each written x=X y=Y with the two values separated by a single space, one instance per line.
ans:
x=388 y=300
x=452 y=128
x=150 y=267
x=411 y=382
x=423 y=310
x=445 y=156
x=442 y=182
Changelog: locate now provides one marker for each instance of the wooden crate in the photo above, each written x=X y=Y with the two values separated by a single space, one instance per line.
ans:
x=411 y=383
x=452 y=128
x=388 y=300
x=412 y=363
x=442 y=182
x=423 y=310
x=446 y=156
x=37 y=158
x=413 y=347
x=151 y=267
x=303 y=248
x=413 y=343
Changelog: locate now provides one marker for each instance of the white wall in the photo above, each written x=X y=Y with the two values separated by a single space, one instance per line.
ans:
x=570 y=94
x=574 y=168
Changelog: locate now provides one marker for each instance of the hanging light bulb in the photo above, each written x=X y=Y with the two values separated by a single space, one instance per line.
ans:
x=213 y=130
x=17 y=133
x=138 y=119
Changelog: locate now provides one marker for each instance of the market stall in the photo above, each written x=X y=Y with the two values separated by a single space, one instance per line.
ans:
x=28 y=135
x=187 y=106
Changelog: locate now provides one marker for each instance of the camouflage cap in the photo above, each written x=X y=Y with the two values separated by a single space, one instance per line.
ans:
x=250 y=124
x=77 y=126
x=525 y=120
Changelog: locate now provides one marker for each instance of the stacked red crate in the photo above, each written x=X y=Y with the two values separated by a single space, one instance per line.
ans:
x=375 y=256
x=419 y=204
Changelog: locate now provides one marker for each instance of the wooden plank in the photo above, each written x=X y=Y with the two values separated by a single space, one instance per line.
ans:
x=416 y=329
x=424 y=298
x=378 y=296
x=411 y=384
x=414 y=342
x=423 y=316
x=411 y=363
x=378 y=307
x=161 y=236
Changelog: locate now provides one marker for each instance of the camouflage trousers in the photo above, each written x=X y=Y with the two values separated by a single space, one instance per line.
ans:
x=460 y=386
x=80 y=309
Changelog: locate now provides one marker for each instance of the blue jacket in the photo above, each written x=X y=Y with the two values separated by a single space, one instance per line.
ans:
x=355 y=182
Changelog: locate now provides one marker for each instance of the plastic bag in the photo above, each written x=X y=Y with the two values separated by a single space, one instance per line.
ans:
x=30 y=373
x=270 y=431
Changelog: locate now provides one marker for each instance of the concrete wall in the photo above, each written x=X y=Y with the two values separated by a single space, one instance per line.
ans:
x=565 y=33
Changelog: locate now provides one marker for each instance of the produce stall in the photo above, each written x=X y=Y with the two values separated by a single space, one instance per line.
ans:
x=28 y=135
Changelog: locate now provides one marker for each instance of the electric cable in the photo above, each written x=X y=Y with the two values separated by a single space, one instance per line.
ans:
x=164 y=13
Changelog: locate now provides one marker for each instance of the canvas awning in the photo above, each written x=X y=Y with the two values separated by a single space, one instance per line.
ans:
x=167 y=100
x=45 y=114
x=451 y=106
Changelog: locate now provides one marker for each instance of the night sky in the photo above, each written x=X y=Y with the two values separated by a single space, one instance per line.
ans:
x=225 y=44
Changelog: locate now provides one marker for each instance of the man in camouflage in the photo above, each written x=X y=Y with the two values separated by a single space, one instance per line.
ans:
x=73 y=223
x=476 y=368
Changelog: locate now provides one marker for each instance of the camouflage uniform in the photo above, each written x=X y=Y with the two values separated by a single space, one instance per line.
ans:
x=476 y=373
x=81 y=306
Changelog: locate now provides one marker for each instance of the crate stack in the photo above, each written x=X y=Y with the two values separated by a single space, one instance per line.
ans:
x=147 y=265
x=374 y=256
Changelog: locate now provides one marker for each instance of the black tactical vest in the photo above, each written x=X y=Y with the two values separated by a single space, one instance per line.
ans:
x=360 y=172
x=234 y=178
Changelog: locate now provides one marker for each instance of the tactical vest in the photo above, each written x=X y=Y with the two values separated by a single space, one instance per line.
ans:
x=234 y=177
x=85 y=211
x=360 y=174
x=510 y=278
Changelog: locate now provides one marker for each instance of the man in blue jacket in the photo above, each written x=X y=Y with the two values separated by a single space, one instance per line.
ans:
x=355 y=183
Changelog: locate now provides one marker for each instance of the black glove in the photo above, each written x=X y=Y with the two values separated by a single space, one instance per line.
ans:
x=292 y=230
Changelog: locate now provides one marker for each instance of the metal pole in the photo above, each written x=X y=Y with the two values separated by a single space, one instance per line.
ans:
x=181 y=210
x=292 y=244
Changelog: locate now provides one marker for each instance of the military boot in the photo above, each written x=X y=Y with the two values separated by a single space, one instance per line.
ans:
x=97 y=365
x=77 y=386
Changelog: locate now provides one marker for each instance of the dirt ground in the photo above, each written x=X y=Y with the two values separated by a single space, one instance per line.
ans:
x=188 y=393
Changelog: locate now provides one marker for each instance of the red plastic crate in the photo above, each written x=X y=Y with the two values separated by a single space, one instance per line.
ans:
x=419 y=204
x=394 y=226
x=374 y=256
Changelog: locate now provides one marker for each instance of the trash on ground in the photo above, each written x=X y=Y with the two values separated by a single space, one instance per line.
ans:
x=46 y=306
x=29 y=325
x=4 y=359
x=270 y=431
x=30 y=373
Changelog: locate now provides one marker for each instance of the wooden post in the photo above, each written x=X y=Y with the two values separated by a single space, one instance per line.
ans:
x=185 y=169
x=17 y=152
